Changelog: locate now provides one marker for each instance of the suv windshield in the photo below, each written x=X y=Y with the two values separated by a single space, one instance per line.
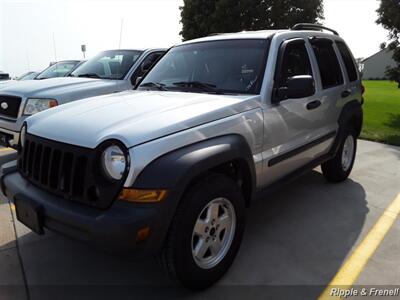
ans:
x=230 y=66
x=59 y=69
x=27 y=76
x=113 y=64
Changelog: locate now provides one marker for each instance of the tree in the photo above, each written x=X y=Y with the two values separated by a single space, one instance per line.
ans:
x=389 y=18
x=204 y=17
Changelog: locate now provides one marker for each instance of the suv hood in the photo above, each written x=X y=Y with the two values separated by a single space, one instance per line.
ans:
x=134 y=117
x=55 y=87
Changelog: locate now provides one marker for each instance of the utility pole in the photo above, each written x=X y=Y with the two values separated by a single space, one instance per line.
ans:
x=120 y=33
x=54 y=46
x=27 y=59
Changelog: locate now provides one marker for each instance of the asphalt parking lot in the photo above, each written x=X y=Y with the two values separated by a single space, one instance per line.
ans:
x=295 y=243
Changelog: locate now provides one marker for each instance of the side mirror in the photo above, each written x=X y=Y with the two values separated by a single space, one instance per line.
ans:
x=297 y=87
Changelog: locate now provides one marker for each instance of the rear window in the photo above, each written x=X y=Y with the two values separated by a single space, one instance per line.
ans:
x=329 y=67
x=348 y=60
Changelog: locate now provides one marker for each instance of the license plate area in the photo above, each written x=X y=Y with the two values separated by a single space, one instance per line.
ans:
x=4 y=139
x=29 y=213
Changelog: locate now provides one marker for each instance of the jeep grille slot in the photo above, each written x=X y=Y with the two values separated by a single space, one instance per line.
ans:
x=65 y=170
x=54 y=168
x=9 y=106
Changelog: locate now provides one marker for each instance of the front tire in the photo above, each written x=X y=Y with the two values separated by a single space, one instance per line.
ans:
x=206 y=232
x=339 y=168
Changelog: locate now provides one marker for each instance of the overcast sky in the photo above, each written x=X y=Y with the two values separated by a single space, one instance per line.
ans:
x=35 y=32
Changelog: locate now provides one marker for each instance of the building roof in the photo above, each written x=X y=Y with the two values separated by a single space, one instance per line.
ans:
x=379 y=52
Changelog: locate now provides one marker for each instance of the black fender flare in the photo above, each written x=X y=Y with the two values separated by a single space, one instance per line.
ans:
x=351 y=115
x=176 y=169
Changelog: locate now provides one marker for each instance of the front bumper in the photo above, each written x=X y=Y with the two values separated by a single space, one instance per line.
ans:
x=9 y=138
x=114 y=229
x=9 y=130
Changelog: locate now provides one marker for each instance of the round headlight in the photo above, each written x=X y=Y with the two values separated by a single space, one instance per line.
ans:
x=22 y=136
x=114 y=162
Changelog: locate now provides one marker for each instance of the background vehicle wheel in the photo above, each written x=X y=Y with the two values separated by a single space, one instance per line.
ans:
x=206 y=232
x=338 y=168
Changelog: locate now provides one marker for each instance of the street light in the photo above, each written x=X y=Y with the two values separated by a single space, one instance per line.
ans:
x=83 y=48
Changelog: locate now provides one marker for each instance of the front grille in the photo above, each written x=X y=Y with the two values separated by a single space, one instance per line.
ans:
x=9 y=106
x=68 y=171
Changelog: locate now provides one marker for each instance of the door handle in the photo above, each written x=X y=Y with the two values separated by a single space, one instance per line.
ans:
x=313 y=104
x=346 y=93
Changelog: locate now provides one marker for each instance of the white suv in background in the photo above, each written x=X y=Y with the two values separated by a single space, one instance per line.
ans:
x=108 y=72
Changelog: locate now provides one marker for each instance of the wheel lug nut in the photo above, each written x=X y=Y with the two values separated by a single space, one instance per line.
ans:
x=206 y=229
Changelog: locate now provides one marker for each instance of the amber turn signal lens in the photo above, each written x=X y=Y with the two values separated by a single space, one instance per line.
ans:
x=53 y=103
x=142 y=196
x=142 y=234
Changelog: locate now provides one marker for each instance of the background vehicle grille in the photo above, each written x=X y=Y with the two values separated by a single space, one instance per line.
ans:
x=9 y=106
x=68 y=171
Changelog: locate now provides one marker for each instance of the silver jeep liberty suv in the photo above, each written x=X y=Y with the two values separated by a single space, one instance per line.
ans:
x=169 y=168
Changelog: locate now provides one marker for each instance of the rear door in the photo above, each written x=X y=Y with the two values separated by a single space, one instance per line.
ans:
x=352 y=89
x=332 y=82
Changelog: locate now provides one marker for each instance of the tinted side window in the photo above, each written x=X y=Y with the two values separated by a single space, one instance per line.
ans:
x=147 y=63
x=329 y=67
x=348 y=60
x=295 y=61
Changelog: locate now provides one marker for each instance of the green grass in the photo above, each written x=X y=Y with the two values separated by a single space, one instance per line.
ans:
x=381 y=112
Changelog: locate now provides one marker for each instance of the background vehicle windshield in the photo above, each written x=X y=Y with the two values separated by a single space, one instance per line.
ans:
x=59 y=69
x=113 y=64
x=27 y=76
x=4 y=76
x=231 y=66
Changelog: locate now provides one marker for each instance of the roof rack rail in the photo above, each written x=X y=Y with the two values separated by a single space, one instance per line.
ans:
x=216 y=33
x=309 y=26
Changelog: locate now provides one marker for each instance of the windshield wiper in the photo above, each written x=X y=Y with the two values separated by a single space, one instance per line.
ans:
x=207 y=87
x=159 y=86
x=89 y=75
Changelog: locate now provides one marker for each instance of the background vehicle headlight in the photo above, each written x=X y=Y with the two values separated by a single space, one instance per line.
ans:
x=114 y=162
x=22 y=136
x=34 y=106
